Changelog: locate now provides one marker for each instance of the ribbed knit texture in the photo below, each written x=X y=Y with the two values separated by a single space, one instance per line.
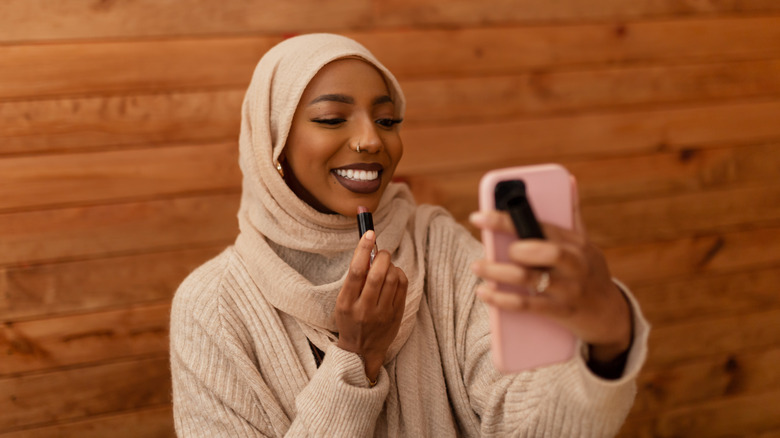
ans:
x=240 y=358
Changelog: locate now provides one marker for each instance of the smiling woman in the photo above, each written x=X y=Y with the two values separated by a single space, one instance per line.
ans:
x=298 y=330
x=344 y=142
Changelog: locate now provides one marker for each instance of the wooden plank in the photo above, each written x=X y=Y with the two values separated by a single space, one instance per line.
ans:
x=140 y=66
x=513 y=49
x=738 y=416
x=148 y=423
x=692 y=256
x=64 y=341
x=726 y=375
x=42 y=19
x=506 y=97
x=73 y=394
x=67 y=124
x=110 y=282
x=709 y=295
x=452 y=147
x=86 y=232
x=58 y=179
x=647 y=220
x=36 y=70
x=612 y=180
x=465 y=12
x=682 y=342
x=82 y=123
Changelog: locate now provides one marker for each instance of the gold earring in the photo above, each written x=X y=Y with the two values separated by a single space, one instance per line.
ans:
x=279 y=169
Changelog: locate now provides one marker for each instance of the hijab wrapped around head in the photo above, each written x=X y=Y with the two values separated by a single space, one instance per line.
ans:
x=297 y=256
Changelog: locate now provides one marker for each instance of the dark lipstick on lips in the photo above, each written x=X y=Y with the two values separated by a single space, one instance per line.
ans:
x=365 y=223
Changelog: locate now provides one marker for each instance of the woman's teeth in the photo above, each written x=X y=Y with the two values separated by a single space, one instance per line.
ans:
x=358 y=175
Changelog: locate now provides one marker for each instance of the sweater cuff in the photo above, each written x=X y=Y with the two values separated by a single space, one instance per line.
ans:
x=338 y=400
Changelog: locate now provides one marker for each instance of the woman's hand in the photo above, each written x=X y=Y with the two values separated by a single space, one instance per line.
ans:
x=370 y=305
x=580 y=293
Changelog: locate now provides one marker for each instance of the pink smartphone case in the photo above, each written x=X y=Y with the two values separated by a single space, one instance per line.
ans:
x=522 y=341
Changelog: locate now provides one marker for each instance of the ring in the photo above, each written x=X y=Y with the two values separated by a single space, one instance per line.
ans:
x=543 y=283
x=357 y=149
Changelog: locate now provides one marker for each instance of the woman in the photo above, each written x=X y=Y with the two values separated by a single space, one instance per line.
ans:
x=294 y=331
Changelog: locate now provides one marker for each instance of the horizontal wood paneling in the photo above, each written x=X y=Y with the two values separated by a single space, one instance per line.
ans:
x=106 y=282
x=655 y=262
x=78 y=393
x=432 y=12
x=465 y=146
x=49 y=180
x=84 y=338
x=135 y=65
x=45 y=19
x=118 y=176
x=147 y=423
x=79 y=232
x=697 y=297
x=99 y=122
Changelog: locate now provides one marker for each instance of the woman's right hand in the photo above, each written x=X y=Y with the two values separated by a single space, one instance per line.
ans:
x=370 y=305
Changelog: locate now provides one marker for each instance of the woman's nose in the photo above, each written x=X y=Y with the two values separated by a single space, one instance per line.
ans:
x=367 y=137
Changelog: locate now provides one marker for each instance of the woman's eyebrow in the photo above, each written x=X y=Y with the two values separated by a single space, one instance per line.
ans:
x=333 y=98
x=382 y=99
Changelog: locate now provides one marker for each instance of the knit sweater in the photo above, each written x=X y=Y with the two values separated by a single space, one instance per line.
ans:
x=243 y=369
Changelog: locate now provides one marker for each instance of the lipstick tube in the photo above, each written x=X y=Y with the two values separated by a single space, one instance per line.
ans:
x=365 y=223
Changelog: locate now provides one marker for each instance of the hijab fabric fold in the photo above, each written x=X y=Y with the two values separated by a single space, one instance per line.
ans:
x=309 y=252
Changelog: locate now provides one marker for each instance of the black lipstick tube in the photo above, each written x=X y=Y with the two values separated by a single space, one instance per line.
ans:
x=365 y=223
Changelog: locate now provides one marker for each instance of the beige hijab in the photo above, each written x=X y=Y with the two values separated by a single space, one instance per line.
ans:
x=302 y=255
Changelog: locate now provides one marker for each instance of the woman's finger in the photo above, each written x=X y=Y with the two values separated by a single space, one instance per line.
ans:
x=541 y=304
x=565 y=258
x=399 y=300
x=358 y=269
x=493 y=220
x=375 y=279
x=505 y=273
x=389 y=288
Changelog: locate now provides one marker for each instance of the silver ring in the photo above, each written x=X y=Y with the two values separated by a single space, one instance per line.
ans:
x=543 y=283
x=357 y=149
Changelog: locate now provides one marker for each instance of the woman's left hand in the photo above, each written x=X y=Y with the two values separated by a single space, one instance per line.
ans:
x=580 y=293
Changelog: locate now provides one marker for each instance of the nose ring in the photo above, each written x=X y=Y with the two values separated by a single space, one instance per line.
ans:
x=357 y=149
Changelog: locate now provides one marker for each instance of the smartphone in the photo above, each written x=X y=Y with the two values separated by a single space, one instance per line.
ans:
x=523 y=341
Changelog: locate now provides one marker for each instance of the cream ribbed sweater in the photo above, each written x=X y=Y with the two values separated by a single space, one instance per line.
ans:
x=230 y=356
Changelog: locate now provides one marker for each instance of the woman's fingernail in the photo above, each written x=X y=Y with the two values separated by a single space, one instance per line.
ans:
x=477 y=218
x=369 y=235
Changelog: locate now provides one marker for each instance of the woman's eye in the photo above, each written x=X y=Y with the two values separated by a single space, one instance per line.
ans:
x=330 y=122
x=389 y=123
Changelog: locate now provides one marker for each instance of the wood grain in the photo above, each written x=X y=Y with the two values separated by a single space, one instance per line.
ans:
x=61 y=179
x=464 y=12
x=36 y=70
x=79 y=393
x=107 y=282
x=148 y=18
x=65 y=341
x=697 y=297
x=80 y=232
x=152 y=423
x=104 y=121
x=595 y=136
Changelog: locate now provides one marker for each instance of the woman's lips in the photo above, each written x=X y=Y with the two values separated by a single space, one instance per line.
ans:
x=359 y=177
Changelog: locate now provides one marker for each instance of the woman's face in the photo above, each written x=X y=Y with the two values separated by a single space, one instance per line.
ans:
x=347 y=103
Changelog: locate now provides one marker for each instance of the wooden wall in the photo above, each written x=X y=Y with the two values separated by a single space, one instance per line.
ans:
x=118 y=175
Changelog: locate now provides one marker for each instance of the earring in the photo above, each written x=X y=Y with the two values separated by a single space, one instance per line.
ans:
x=279 y=169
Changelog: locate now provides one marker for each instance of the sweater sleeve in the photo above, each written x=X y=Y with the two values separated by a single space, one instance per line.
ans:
x=560 y=400
x=219 y=389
